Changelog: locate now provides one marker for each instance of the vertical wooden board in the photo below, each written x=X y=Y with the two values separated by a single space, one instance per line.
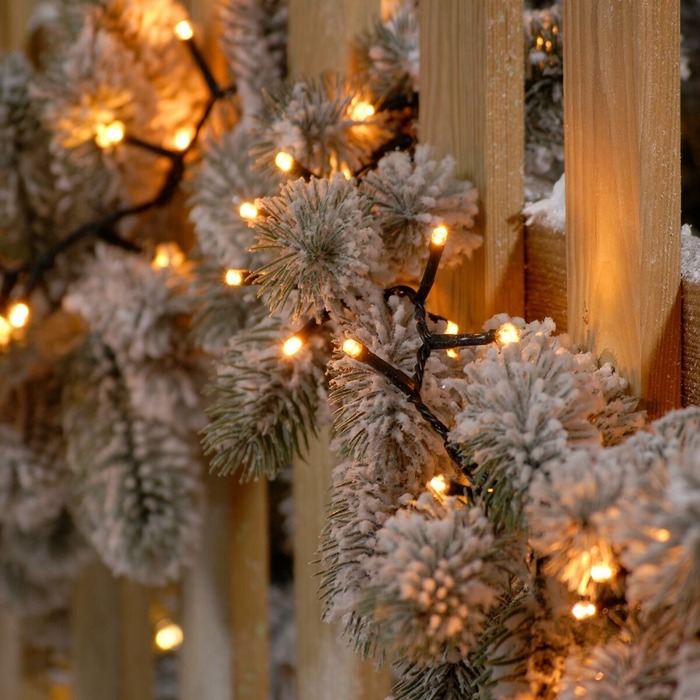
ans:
x=621 y=85
x=691 y=343
x=111 y=650
x=206 y=653
x=249 y=555
x=10 y=655
x=320 y=36
x=14 y=18
x=321 y=33
x=471 y=107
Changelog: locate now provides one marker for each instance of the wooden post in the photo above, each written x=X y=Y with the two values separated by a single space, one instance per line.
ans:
x=10 y=655
x=471 y=107
x=14 y=17
x=621 y=81
x=249 y=553
x=111 y=638
x=320 y=35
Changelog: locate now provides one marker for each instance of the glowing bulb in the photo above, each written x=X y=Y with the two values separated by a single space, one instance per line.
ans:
x=548 y=46
x=583 y=610
x=18 y=315
x=540 y=42
x=235 y=278
x=183 y=138
x=507 y=334
x=599 y=676
x=284 y=161
x=361 y=111
x=248 y=210
x=169 y=636
x=183 y=30
x=5 y=331
x=439 y=235
x=439 y=484
x=292 y=345
x=166 y=255
x=347 y=173
x=452 y=328
x=601 y=572
x=660 y=534
x=452 y=353
x=352 y=347
x=111 y=134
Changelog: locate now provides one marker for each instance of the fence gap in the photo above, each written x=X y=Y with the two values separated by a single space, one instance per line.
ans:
x=471 y=107
x=622 y=126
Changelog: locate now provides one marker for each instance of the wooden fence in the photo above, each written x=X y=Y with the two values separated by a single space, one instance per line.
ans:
x=613 y=280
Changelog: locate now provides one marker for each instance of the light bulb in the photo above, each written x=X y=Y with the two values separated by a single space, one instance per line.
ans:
x=439 y=235
x=601 y=572
x=292 y=345
x=284 y=161
x=235 y=278
x=352 y=347
x=347 y=173
x=248 y=211
x=183 y=30
x=360 y=111
x=167 y=255
x=18 y=314
x=439 y=484
x=660 y=534
x=583 y=610
x=5 y=331
x=507 y=334
x=183 y=138
x=110 y=134
x=452 y=328
x=169 y=636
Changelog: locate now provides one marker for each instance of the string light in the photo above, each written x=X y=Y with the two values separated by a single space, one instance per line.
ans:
x=183 y=138
x=292 y=345
x=183 y=30
x=169 y=636
x=439 y=485
x=361 y=111
x=18 y=315
x=107 y=135
x=507 y=334
x=248 y=211
x=601 y=572
x=352 y=347
x=660 y=534
x=167 y=255
x=452 y=329
x=439 y=235
x=583 y=610
x=284 y=161
x=235 y=278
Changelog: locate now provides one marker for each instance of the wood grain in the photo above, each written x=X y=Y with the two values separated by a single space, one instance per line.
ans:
x=545 y=275
x=691 y=343
x=471 y=87
x=621 y=85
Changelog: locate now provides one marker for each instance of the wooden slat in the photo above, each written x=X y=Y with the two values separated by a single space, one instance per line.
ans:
x=111 y=635
x=621 y=83
x=206 y=655
x=249 y=554
x=10 y=655
x=320 y=32
x=14 y=17
x=471 y=87
x=691 y=343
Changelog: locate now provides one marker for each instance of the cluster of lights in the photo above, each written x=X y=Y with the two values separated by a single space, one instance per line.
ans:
x=584 y=610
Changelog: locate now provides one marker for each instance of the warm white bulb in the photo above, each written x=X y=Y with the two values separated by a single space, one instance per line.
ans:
x=583 y=610
x=284 y=161
x=361 y=111
x=18 y=314
x=292 y=345
x=352 y=347
x=183 y=138
x=601 y=572
x=235 y=278
x=248 y=211
x=507 y=334
x=183 y=30
x=169 y=636
x=439 y=235
x=660 y=534
x=110 y=134
x=452 y=328
x=439 y=484
x=167 y=255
